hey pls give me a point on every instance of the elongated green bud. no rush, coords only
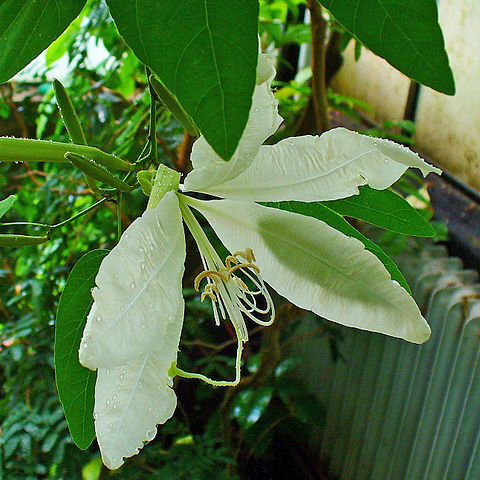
(25, 149)
(174, 106)
(69, 115)
(166, 180)
(89, 167)
(12, 240)
(145, 179)
(72, 123)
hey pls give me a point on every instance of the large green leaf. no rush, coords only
(205, 53)
(406, 33)
(6, 205)
(385, 209)
(27, 27)
(319, 211)
(76, 384)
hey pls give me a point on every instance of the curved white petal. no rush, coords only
(265, 69)
(328, 167)
(264, 120)
(130, 400)
(318, 268)
(139, 289)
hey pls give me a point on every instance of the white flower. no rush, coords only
(133, 329)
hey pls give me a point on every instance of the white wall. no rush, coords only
(448, 128)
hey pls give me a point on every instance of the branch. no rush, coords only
(319, 90)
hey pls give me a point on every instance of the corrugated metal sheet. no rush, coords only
(397, 411)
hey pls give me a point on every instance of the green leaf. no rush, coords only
(250, 405)
(6, 205)
(385, 209)
(406, 33)
(204, 52)
(27, 27)
(319, 211)
(76, 384)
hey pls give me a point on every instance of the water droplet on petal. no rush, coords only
(110, 425)
(98, 318)
(133, 285)
(150, 435)
(108, 402)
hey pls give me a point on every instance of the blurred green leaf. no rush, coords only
(6, 204)
(385, 209)
(406, 33)
(308, 409)
(250, 405)
(75, 383)
(27, 27)
(205, 53)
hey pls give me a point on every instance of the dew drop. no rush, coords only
(116, 276)
(95, 414)
(98, 318)
(143, 266)
(110, 425)
(115, 406)
(122, 376)
(133, 285)
(114, 396)
(150, 435)
(108, 402)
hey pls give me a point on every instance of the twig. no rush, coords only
(221, 346)
(21, 123)
(319, 91)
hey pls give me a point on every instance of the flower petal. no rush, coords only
(328, 167)
(318, 268)
(139, 290)
(131, 400)
(209, 169)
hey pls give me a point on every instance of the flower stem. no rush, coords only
(175, 371)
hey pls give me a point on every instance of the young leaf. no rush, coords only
(385, 209)
(76, 384)
(406, 33)
(27, 27)
(321, 212)
(6, 205)
(204, 52)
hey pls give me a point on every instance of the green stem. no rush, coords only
(119, 217)
(74, 217)
(152, 134)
